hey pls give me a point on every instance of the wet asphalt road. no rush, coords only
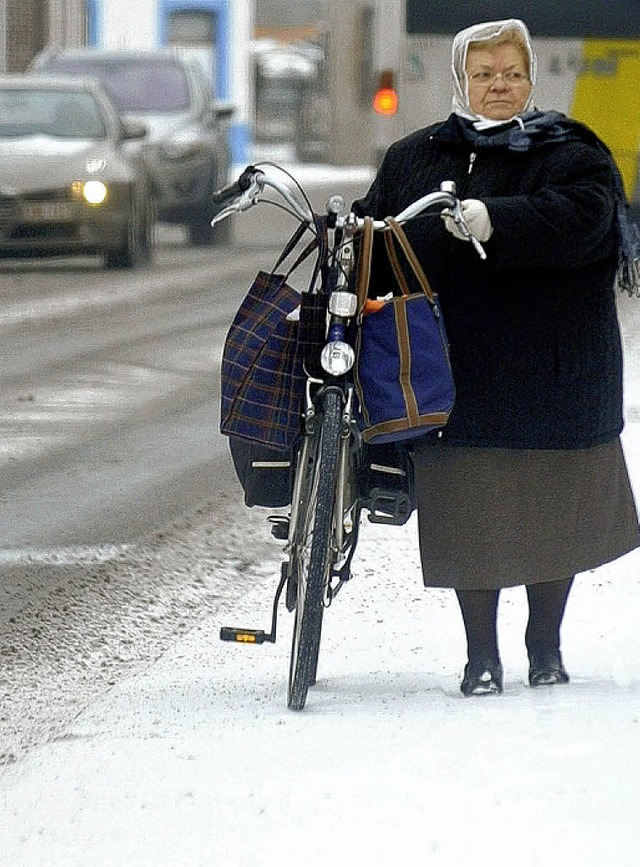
(109, 385)
(108, 400)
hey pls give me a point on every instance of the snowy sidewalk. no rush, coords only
(198, 762)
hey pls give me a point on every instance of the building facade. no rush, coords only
(216, 32)
(28, 26)
(337, 125)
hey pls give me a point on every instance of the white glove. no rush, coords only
(476, 216)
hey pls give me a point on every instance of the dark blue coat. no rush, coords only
(533, 330)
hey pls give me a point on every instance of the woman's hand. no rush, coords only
(476, 216)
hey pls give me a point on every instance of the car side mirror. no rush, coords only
(133, 129)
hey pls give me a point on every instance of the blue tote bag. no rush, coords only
(403, 374)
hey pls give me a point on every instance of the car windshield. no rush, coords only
(63, 114)
(135, 83)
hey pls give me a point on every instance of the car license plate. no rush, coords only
(46, 212)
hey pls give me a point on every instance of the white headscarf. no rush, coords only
(478, 33)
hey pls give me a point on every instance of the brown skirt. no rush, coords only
(491, 518)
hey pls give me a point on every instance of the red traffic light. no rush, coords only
(385, 100)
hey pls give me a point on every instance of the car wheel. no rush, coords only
(201, 233)
(137, 249)
(148, 233)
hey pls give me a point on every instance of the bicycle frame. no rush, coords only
(327, 500)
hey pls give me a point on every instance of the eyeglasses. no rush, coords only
(511, 78)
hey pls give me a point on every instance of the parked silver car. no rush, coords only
(68, 185)
(187, 151)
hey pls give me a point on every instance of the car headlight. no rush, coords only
(337, 357)
(93, 192)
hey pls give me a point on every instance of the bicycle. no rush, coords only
(328, 497)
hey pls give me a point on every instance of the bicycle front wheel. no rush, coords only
(312, 549)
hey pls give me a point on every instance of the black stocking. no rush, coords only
(546, 609)
(479, 612)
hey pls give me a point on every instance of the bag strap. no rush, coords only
(394, 235)
(290, 246)
(319, 241)
(322, 259)
(411, 257)
(392, 255)
(364, 263)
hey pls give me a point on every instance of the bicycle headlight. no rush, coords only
(343, 304)
(337, 357)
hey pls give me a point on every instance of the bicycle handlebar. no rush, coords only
(245, 192)
(226, 195)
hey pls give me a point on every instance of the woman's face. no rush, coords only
(499, 85)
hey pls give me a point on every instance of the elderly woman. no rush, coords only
(527, 484)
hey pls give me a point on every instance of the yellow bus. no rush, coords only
(588, 65)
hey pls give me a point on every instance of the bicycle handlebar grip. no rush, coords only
(234, 190)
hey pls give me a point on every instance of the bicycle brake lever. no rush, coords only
(477, 246)
(246, 201)
(459, 220)
(222, 215)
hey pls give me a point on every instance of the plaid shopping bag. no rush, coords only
(263, 372)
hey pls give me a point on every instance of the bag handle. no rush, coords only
(392, 255)
(394, 235)
(322, 259)
(291, 245)
(364, 269)
(397, 234)
(319, 241)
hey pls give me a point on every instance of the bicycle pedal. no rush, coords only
(388, 507)
(279, 527)
(245, 636)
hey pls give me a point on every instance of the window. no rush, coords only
(47, 112)
(191, 27)
(135, 83)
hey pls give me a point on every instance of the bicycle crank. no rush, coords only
(255, 636)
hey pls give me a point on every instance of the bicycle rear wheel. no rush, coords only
(311, 549)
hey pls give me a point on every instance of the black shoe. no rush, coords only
(482, 678)
(546, 669)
